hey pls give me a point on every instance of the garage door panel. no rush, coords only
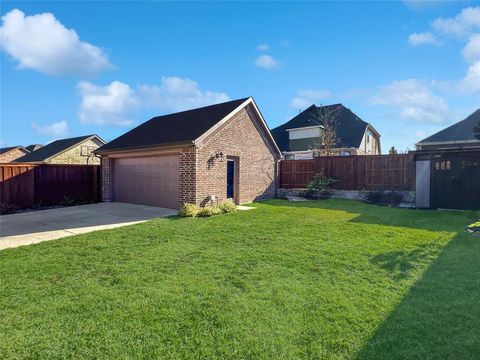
(152, 180)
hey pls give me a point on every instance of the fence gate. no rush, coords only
(455, 181)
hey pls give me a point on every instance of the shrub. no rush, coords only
(319, 186)
(385, 198)
(227, 206)
(209, 211)
(188, 210)
(282, 194)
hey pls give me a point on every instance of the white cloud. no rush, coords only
(414, 101)
(461, 25)
(267, 62)
(471, 82)
(423, 38)
(42, 43)
(117, 103)
(471, 52)
(465, 27)
(56, 129)
(175, 94)
(263, 47)
(305, 98)
(113, 104)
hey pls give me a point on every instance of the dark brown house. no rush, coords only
(198, 156)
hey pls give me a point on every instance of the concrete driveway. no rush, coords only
(37, 226)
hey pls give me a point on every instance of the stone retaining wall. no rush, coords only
(408, 196)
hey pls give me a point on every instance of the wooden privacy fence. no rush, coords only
(26, 185)
(371, 172)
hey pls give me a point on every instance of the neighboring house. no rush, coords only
(300, 138)
(9, 154)
(77, 150)
(448, 166)
(464, 134)
(33, 147)
(198, 156)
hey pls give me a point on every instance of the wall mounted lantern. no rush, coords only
(217, 155)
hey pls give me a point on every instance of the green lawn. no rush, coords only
(313, 280)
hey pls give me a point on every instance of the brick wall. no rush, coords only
(243, 140)
(188, 175)
(11, 155)
(74, 156)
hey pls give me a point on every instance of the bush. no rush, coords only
(192, 210)
(189, 210)
(385, 198)
(319, 186)
(209, 211)
(282, 194)
(228, 206)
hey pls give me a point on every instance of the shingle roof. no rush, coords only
(350, 128)
(33, 147)
(461, 131)
(51, 149)
(6, 149)
(178, 128)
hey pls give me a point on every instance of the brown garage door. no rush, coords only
(152, 180)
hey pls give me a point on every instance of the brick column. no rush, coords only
(188, 169)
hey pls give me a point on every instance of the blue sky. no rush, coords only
(409, 68)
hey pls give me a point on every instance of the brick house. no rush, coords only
(73, 151)
(198, 156)
(9, 154)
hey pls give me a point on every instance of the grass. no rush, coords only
(313, 280)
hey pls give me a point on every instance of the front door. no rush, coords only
(230, 179)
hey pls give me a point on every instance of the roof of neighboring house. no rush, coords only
(174, 129)
(466, 130)
(7, 149)
(350, 128)
(33, 147)
(54, 148)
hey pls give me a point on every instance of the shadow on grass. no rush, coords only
(401, 263)
(439, 317)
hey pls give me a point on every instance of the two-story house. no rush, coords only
(301, 137)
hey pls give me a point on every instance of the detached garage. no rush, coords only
(198, 156)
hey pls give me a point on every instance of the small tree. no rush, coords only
(393, 151)
(328, 138)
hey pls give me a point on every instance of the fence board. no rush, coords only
(372, 172)
(25, 185)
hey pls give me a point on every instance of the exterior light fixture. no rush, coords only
(218, 155)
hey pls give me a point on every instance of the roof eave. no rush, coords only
(150, 147)
(449, 142)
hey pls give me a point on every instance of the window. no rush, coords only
(442, 165)
(469, 164)
(86, 150)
